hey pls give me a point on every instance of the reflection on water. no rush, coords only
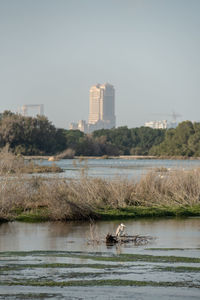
(73, 236)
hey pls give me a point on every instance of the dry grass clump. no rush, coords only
(15, 164)
(174, 188)
(10, 163)
(65, 200)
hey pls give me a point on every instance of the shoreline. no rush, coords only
(125, 157)
(109, 214)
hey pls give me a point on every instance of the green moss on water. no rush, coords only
(172, 249)
(104, 257)
(31, 296)
(146, 258)
(109, 282)
(179, 269)
(14, 267)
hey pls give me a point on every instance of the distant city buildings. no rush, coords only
(160, 124)
(101, 111)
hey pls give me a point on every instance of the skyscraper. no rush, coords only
(102, 106)
(102, 109)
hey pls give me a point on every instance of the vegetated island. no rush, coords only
(160, 193)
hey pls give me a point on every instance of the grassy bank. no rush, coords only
(42, 215)
(149, 212)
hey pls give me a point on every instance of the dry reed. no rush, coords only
(80, 198)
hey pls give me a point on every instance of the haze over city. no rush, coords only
(53, 51)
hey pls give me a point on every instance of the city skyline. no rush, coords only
(52, 52)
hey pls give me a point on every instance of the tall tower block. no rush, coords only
(102, 105)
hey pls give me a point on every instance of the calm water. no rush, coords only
(130, 168)
(73, 236)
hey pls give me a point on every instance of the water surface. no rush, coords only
(64, 253)
(130, 168)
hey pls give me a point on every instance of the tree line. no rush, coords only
(38, 136)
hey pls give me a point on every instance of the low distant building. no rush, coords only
(157, 124)
(163, 124)
(73, 126)
(81, 125)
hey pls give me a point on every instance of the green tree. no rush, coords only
(29, 135)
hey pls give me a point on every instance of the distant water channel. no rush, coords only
(108, 168)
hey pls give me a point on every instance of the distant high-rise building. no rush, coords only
(102, 109)
(102, 106)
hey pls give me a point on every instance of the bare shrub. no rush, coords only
(10, 163)
(174, 188)
(63, 200)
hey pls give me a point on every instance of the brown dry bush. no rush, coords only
(174, 188)
(65, 201)
(10, 163)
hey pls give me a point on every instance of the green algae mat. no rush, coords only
(65, 269)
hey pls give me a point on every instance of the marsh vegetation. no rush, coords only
(158, 193)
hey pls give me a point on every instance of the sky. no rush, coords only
(53, 51)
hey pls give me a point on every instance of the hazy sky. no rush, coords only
(52, 51)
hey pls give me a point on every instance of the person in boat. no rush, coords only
(120, 230)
